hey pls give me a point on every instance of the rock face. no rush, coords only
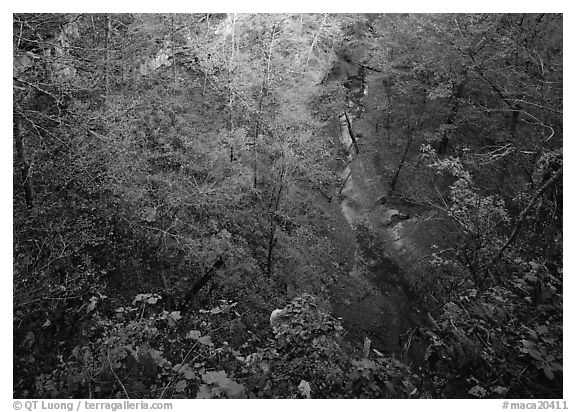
(375, 301)
(391, 216)
(277, 316)
(345, 138)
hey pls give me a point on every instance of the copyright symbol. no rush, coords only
(17, 405)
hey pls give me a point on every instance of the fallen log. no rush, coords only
(352, 135)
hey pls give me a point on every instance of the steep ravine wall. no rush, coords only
(375, 301)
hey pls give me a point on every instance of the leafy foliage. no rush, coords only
(175, 180)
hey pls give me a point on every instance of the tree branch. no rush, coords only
(314, 42)
(557, 175)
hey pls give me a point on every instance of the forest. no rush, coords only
(287, 206)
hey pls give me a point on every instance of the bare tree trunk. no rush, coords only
(230, 102)
(263, 93)
(107, 61)
(159, 245)
(173, 48)
(366, 348)
(352, 135)
(314, 42)
(555, 177)
(273, 224)
(163, 277)
(388, 87)
(209, 274)
(123, 64)
(271, 243)
(205, 82)
(345, 181)
(24, 165)
(394, 179)
(443, 145)
(391, 54)
(230, 90)
(514, 107)
(233, 33)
